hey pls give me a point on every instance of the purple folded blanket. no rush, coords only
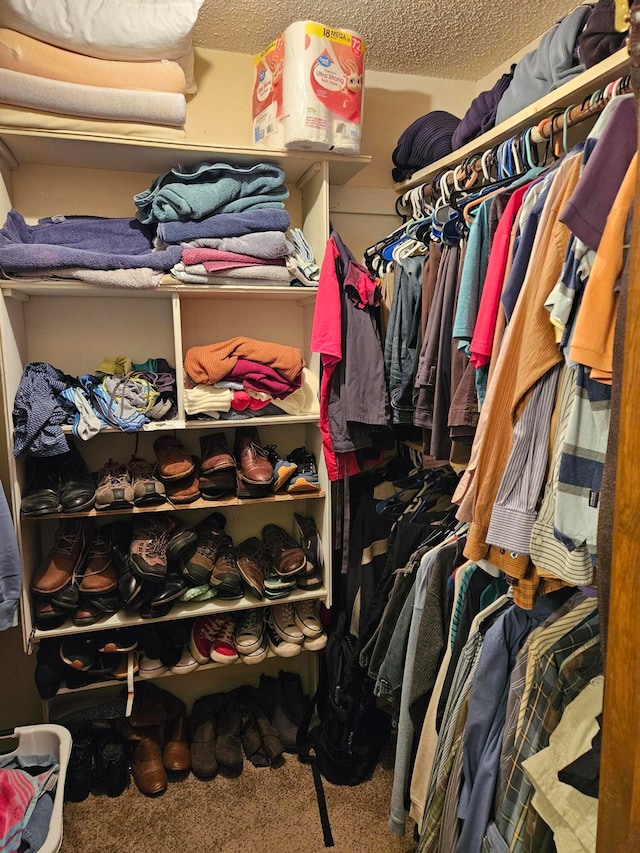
(92, 242)
(225, 225)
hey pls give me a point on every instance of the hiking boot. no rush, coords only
(283, 470)
(64, 562)
(174, 463)
(225, 576)
(215, 456)
(223, 649)
(252, 457)
(42, 486)
(306, 477)
(285, 624)
(197, 563)
(114, 489)
(277, 645)
(203, 632)
(148, 489)
(148, 549)
(181, 539)
(249, 631)
(253, 564)
(77, 488)
(288, 558)
(307, 617)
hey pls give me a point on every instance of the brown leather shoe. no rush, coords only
(147, 768)
(100, 574)
(66, 557)
(176, 755)
(252, 458)
(186, 490)
(214, 454)
(288, 558)
(174, 463)
(253, 564)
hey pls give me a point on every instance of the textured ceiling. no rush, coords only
(459, 40)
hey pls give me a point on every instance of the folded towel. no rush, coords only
(215, 260)
(27, 90)
(206, 364)
(198, 274)
(225, 225)
(15, 116)
(211, 188)
(262, 244)
(31, 56)
(140, 278)
(80, 241)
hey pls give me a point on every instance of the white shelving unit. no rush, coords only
(73, 327)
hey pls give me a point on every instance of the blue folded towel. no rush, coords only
(92, 242)
(225, 225)
(211, 188)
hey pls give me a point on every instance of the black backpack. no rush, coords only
(350, 731)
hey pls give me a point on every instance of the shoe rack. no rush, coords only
(74, 326)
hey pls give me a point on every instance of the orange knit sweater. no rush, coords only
(211, 362)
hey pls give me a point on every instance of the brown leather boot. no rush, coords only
(147, 768)
(176, 756)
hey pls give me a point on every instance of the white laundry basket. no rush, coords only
(47, 740)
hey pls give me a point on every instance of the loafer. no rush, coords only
(174, 463)
(252, 457)
(77, 486)
(42, 486)
(65, 559)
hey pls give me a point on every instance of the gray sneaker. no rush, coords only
(114, 489)
(148, 489)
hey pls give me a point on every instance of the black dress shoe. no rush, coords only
(77, 487)
(111, 769)
(42, 486)
(171, 590)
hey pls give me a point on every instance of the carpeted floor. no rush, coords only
(262, 811)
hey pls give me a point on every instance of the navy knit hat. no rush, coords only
(426, 140)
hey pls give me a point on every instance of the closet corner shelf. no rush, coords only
(572, 92)
(130, 154)
(179, 611)
(164, 426)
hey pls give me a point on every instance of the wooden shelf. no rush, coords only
(570, 93)
(180, 610)
(117, 153)
(22, 289)
(222, 423)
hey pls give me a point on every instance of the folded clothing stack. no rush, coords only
(99, 60)
(243, 377)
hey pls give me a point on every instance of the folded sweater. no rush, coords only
(211, 362)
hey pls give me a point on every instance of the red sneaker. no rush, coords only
(223, 648)
(203, 632)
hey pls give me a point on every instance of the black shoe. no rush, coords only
(77, 786)
(42, 486)
(77, 487)
(170, 591)
(111, 770)
(180, 539)
(49, 668)
(309, 540)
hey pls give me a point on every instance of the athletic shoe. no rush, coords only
(309, 539)
(148, 489)
(283, 469)
(249, 631)
(203, 632)
(114, 489)
(315, 644)
(278, 646)
(306, 477)
(151, 667)
(148, 549)
(198, 562)
(223, 648)
(284, 621)
(186, 664)
(260, 653)
(307, 617)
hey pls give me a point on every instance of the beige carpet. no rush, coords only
(262, 811)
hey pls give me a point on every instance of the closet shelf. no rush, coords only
(179, 611)
(157, 426)
(23, 289)
(169, 507)
(572, 92)
(116, 153)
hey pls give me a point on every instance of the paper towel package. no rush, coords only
(268, 69)
(307, 90)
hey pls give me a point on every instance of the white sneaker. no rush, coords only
(315, 644)
(278, 646)
(151, 668)
(259, 654)
(249, 631)
(307, 616)
(187, 663)
(285, 623)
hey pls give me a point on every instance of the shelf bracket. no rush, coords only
(309, 175)
(16, 294)
(6, 156)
